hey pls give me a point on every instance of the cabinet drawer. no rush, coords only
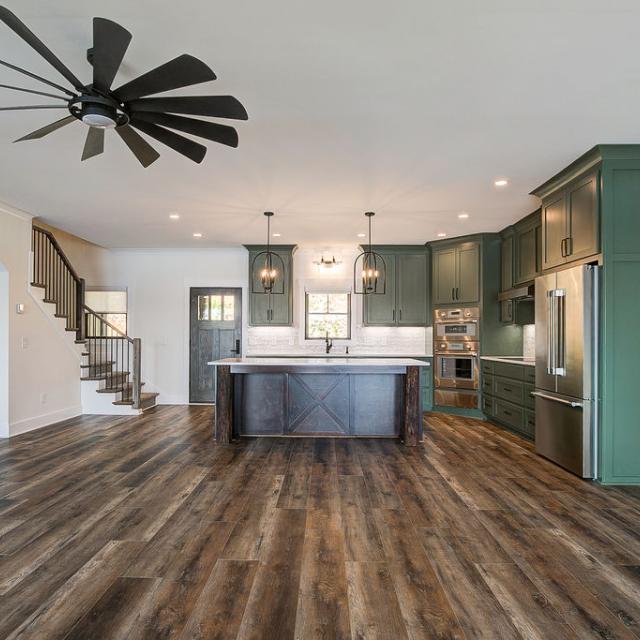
(487, 384)
(529, 400)
(488, 406)
(530, 423)
(487, 366)
(510, 414)
(508, 370)
(529, 374)
(511, 390)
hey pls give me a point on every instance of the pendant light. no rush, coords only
(369, 269)
(267, 267)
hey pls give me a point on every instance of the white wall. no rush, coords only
(43, 373)
(158, 283)
(4, 352)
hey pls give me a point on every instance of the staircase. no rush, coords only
(110, 360)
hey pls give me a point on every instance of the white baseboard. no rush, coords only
(44, 420)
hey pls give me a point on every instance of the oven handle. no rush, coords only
(457, 354)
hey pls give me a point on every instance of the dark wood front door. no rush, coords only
(215, 333)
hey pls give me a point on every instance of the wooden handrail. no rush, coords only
(60, 252)
(102, 319)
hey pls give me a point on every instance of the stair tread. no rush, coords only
(120, 389)
(104, 363)
(143, 396)
(104, 376)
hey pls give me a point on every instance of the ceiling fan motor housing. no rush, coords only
(99, 115)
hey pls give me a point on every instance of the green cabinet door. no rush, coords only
(380, 310)
(506, 263)
(281, 308)
(527, 254)
(467, 289)
(582, 218)
(271, 309)
(554, 231)
(444, 275)
(411, 301)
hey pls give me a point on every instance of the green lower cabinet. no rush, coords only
(506, 396)
(426, 386)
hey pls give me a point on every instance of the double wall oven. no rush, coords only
(457, 357)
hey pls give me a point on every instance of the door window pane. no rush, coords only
(229, 308)
(216, 308)
(328, 314)
(203, 307)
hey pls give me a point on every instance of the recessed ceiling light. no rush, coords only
(463, 215)
(174, 216)
(276, 235)
(362, 235)
(501, 183)
(442, 235)
(197, 235)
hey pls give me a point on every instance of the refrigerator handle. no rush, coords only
(560, 363)
(550, 332)
(570, 403)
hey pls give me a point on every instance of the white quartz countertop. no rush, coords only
(528, 362)
(321, 362)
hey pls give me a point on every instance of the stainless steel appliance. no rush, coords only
(456, 357)
(566, 394)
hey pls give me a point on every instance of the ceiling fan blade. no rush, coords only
(17, 26)
(210, 130)
(35, 77)
(110, 43)
(43, 131)
(140, 148)
(94, 144)
(182, 71)
(213, 106)
(34, 106)
(186, 147)
(37, 93)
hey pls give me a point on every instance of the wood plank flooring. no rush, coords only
(142, 528)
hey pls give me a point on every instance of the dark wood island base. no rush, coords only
(311, 398)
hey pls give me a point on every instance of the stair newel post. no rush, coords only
(137, 353)
(82, 330)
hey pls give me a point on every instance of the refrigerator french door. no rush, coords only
(566, 393)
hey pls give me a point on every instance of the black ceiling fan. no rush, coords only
(128, 107)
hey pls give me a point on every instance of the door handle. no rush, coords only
(237, 349)
(569, 403)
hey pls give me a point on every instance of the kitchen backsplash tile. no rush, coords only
(402, 340)
(529, 340)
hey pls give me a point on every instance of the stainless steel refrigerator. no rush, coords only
(566, 394)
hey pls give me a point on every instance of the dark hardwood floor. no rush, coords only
(142, 528)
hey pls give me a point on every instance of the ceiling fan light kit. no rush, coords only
(129, 107)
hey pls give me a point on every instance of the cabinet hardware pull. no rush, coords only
(453, 293)
(507, 389)
(506, 413)
(400, 314)
(570, 246)
(457, 293)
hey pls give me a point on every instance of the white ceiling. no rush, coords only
(410, 108)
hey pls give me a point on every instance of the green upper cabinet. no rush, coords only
(404, 302)
(444, 276)
(412, 289)
(380, 309)
(456, 274)
(271, 309)
(506, 259)
(528, 248)
(571, 222)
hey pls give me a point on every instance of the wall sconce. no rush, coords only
(327, 265)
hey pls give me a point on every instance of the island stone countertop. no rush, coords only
(319, 364)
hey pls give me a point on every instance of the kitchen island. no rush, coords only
(348, 397)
